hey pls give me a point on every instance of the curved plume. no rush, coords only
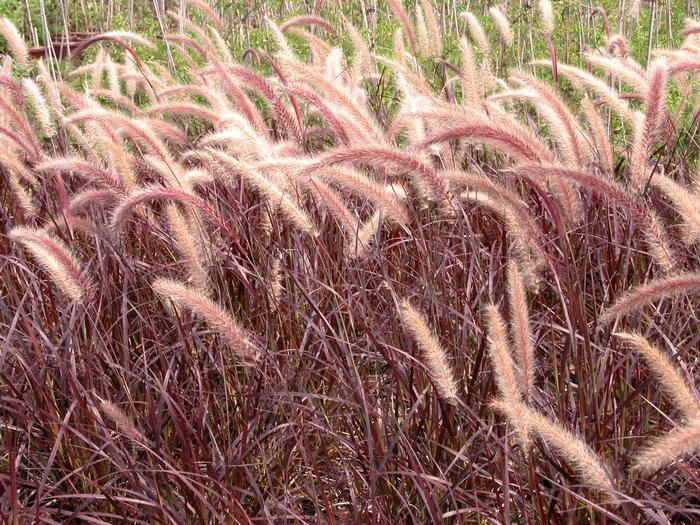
(116, 38)
(307, 20)
(573, 449)
(84, 168)
(657, 238)
(600, 136)
(506, 377)
(668, 376)
(57, 260)
(641, 296)
(622, 69)
(684, 201)
(506, 139)
(385, 157)
(683, 441)
(563, 126)
(582, 79)
(41, 108)
(155, 192)
(365, 187)
(432, 26)
(298, 217)
(213, 314)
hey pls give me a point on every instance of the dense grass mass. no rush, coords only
(452, 279)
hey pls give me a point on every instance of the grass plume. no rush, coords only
(434, 354)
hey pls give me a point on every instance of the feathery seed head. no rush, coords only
(436, 358)
(58, 261)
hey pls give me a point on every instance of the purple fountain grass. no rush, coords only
(188, 109)
(582, 458)
(307, 20)
(294, 201)
(278, 197)
(117, 99)
(186, 234)
(584, 80)
(187, 43)
(84, 168)
(209, 11)
(115, 38)
(14, 41)
(563, 126)
(505, 32)
(212, 313)
(166, 130)
(14, 164)
(621, 69)
(513, 142)
(136, 129)
(472, 86)
(363, 62)
(600, 136)
(363, 186)
(641, 296)
(645, 134)
(214, 97)
(320, 50)
(528, 262)
(347, 220)
(407, 28)
(25, 137)
(436, 357)
(683, 441)
(690, 27)
(202, 36)
(328, 114)
(263, 86)
(58, 261)
(546, 14)
(657, 238)
(432, 26)
(22, 195)
(245, 105)
(425, 46)
(40, 107)
(476, 31)
(156, 192)
(685, 203)
(85, 198)
(123, 422)
(505, 374)
(384, 157)
(336, 95)
(534, 237)
(667, 374)
(521, 330)
(15, 89)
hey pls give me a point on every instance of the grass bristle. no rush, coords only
(280, 263)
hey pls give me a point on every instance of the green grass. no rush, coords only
(572, 23)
